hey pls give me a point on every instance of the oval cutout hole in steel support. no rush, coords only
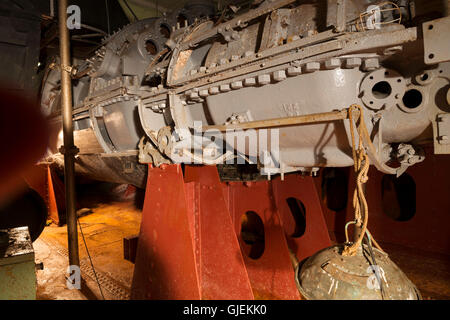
(298, 212)
(252, 234)
(398, 197)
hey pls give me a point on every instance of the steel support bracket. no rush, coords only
(191, 245)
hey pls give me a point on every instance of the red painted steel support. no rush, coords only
(44, 181)
(222, 270)
(271, 274)
(316, 236)
(190, 244)
(187, 247)
(165, 262)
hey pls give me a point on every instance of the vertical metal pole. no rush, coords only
(52, 8)
(107, 16)
(69, 148)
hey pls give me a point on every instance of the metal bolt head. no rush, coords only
(294, 71)
(312, 66)
(249, 82)
(214, 90)
(370, 64)
(203, 93)
(332, 63)
(225, 87)
(353, 62)
(279, 75)
(236, 85)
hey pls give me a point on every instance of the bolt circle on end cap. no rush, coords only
(382, 88)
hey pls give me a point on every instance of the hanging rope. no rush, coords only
(361, 165)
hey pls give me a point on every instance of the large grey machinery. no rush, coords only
(153, 86)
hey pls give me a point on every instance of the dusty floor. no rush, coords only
(104, 227)
(113, 216)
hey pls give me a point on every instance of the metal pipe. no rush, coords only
(69, 150)
(52, 8)
(107, 16)
(91, 35)
(281, 122)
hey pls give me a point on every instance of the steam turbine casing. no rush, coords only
(266, 63)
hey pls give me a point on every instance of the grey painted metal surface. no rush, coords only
(17, 267)
(280, 59)
(437, 40)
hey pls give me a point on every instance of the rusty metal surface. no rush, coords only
(17, 248)
(241, 20)
(17, 268)
(330, 276)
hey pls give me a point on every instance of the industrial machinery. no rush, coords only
(268, 86)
